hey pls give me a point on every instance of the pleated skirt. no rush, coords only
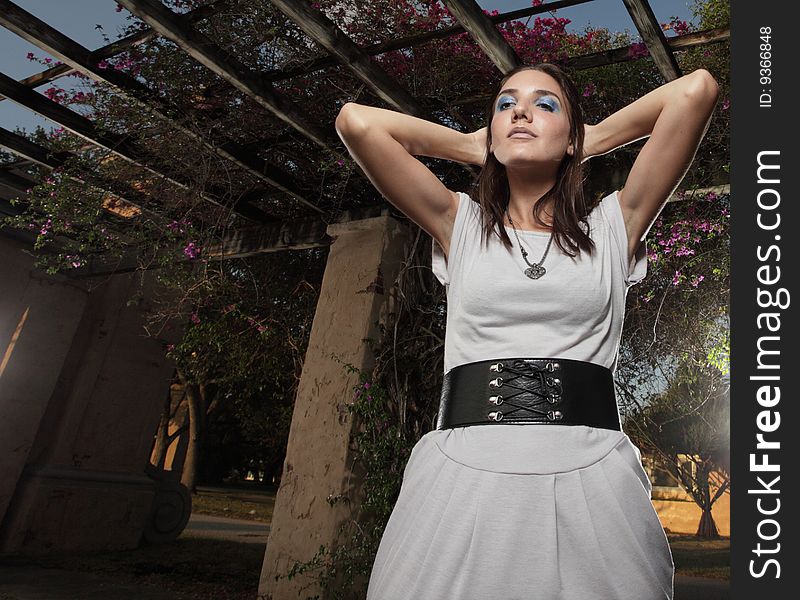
(523, 512)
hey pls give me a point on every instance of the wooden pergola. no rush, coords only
(266, 231)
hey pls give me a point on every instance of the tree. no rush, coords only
(690, 420)
(242, 352)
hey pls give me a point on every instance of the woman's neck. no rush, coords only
(525, 193)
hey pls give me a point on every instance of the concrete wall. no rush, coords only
(680, 514)
(39, 317)
(362, 265)
(81, 390)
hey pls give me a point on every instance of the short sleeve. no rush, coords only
(637, 269)
(443, 268)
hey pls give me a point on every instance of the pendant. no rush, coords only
(535, 271)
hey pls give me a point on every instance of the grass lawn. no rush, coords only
(191, 568)
(202, 569)
(700, 557)
(230, 506)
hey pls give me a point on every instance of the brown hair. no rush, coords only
(570, 206)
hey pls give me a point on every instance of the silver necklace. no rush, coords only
(535, 270)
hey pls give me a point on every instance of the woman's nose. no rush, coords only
(521, 110)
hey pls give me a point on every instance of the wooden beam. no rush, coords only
(483, 31)
(119, 145)
(40, 155)
(624, 54)
(21, 164)
(326, 33)
(206, 52)
(65, 117)
(16, 182)
(119, 46)
(39, 33)
(653, 37)
(297, 234)
(6, 208)
(418, 39)
(28, 150)
(699, 38)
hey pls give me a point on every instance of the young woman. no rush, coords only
(528, 488)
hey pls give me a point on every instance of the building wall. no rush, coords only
(680, 514)
(81, 390)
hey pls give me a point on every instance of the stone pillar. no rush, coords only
(362, 265)
(80, 397)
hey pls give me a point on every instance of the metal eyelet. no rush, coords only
(553, 398)
(496, 399)
(497, 382)
(550, 367)
(495, 415)
(497, 367)
(555, 415)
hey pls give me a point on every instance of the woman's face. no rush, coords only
(530, 123)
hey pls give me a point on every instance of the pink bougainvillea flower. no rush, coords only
(638, 50)
(191, 250)
(195, 319)
(696, 280)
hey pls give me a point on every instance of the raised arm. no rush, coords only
(675, 116)
(384, 143)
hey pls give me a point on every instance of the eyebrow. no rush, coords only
(538, 92)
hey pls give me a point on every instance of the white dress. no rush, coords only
(527, 512)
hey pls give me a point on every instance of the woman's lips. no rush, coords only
(521, 132)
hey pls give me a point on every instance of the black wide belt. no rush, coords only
(547, 391)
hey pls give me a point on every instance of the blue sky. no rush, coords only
(78, 19)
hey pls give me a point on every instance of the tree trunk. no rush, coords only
(274, 470)
(707, 527)
(191, 463)
(159, 454)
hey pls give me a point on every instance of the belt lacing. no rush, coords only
(542, 384)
